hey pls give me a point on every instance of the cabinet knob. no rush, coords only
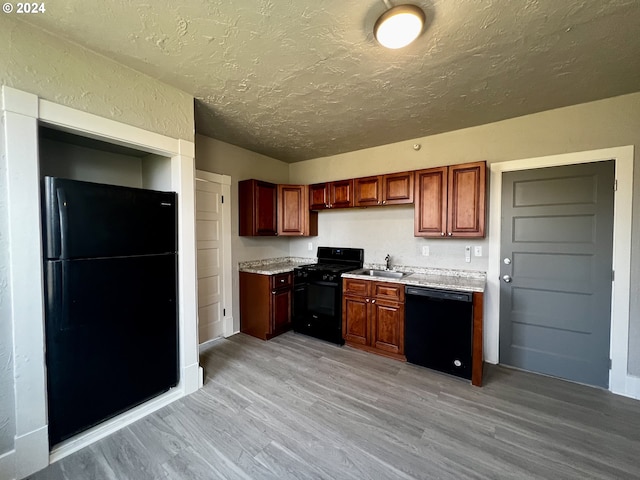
(366, 300)
(379, 203)
(442, 234)
(282, 280)
(384, 202)
(450, 234)
(373, 301)
(273, 292)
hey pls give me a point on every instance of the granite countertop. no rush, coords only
(273, 266)
(457, 280)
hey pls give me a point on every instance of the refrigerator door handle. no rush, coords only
(64, 220)
(56, 300)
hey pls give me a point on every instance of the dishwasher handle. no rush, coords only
(439, 294)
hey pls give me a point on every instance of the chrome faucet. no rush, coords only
(388, 260)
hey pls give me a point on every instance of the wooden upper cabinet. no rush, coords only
(466, 200)
(257, 202)
(397, 188)
(450, 201)
(341, 194)
(368, 191)
(319, 196)
(391, 189)
(337, 194)
(294, 217)
(431, 203)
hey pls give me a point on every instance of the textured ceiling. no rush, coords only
(300, 79)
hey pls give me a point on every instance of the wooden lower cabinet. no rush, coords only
(265, 304)
(387, 320)
(373, 316)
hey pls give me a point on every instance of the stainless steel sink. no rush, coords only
(380, 273)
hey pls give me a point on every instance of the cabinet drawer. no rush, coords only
(353, 286)
(388, 291)
(281, 280)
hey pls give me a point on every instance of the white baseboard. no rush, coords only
(31, 452)
(227, 327)
(110, 426)
(191, 378)
(8, 465)
(632, 387)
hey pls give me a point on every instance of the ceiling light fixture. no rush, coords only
(399, 26)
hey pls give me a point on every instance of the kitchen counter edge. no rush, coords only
(274, 266)
(430, 280)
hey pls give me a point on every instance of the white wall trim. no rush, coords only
(8, 465)
(93, 126)
(21, 142)
(17, 101)
(113, 425)
(619, 381)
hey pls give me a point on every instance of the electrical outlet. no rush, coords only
(310, 246)
(467, 253)
(477, 250)
(425, 250)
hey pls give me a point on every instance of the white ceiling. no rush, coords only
(300, 79)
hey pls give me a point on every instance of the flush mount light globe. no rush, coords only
(399, 26)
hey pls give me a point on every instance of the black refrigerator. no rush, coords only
(110, 268)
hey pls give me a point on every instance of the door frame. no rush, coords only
(227, 299)
(619, 380)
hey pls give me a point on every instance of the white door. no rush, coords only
(210, 237)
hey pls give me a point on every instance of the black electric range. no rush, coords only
(317, 292)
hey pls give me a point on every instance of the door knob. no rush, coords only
(506, 278)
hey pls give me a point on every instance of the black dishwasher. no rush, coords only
(438, 329)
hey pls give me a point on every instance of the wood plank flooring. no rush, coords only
(300, 408)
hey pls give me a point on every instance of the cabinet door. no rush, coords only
(397, 188)
(341, 194)
(294, 217)
(280, 310)
(257, 208)
(431, 202)
(466, 200)
(319, 196)
(368, 191)
(355, 327)
(387, 325)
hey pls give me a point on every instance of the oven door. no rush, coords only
(318, 310)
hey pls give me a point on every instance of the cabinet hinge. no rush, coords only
(222, 198)
(224, 312)
(610, 364)
(615, 185)
(613, 275)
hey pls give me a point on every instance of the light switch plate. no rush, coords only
(467, 253)
(425, 250)
(310, 246)
(477, 250)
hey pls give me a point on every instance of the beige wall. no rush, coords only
(65, 73)
(606, 123)
(225, 159)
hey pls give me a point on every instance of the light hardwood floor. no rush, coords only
(299, 408)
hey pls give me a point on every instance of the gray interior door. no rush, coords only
(557, 248)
